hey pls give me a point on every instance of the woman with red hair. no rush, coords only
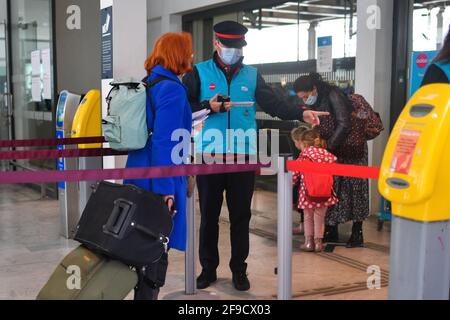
(168, 110)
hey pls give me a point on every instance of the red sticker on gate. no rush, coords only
(404, 151)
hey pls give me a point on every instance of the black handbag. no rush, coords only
(126, 223)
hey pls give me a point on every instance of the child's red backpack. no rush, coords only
(319, 187)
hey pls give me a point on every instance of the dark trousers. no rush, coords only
(151, 280)
(239, 188)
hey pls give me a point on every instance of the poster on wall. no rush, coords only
(47, 73)
(107, 42)
(325, 54)
(36, 63)
(36, 89)
(420, 62)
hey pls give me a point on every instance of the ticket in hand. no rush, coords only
(243, 104)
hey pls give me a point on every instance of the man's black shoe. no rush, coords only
(240, 281)
(206, 279)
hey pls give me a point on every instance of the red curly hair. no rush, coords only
(173, 51)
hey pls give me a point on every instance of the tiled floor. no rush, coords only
(30, 249)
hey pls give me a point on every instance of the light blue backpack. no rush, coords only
(125, 126)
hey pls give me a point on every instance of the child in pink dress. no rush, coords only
(313, 149)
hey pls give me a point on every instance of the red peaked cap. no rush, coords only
(231, 34)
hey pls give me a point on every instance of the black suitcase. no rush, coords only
(126, 223)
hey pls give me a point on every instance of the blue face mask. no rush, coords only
(311, 100)
(230, 56)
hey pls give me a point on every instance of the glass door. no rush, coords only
(4, 88)
(5, 96)
(431, 20)
(31, 46)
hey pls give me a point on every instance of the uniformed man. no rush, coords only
(226, 75)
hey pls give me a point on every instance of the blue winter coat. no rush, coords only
(173, 111)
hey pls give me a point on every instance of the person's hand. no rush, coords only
(313, 117)
(197, 129)
(217, 106)
(170, 202)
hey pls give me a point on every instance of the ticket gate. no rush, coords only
(67, 192)
(415, 177)
(88, 123)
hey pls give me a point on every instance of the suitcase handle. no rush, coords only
(120, 216)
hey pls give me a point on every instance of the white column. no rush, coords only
(312, 41)
(129, 50)
(440, 28)
(374, 69)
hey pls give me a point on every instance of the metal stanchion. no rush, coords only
(190, 272)
(284, 230)
(190, 250)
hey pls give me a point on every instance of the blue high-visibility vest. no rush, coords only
(241, 119)
(444, 67)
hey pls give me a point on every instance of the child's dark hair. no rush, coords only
(312, 138)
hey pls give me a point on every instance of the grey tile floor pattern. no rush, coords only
(31, 248)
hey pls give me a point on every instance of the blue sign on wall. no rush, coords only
(325, 41)
(420, 61)
(107, 42)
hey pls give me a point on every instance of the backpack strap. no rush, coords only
(149, 85)
(115, 86)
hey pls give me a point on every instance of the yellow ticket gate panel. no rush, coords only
(415, 174)
(88, 123)
(415, 177)
(88, 120)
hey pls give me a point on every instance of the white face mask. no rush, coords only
(311, 100)
(230, 56)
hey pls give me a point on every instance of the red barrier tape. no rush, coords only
(56, 154)
(122, 174)
(49, 142)
(341, 170)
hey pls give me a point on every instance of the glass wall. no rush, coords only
(3, 82)
(4, 90)
(431, 24)
(32, 74)
(286, 32)
(289, 28)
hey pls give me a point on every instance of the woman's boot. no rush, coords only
(356, 239)
(331, 234)
(309, 245)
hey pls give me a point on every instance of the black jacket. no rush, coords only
(336, 128)
(266, 98)
(434, 74)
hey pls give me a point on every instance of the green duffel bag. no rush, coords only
(84, 275)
